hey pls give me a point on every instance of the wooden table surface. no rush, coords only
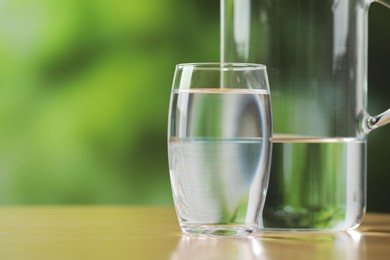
(126, 232)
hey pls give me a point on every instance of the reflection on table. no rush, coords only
(370, 241)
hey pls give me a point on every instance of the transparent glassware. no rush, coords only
(219, 146)
(316, 54)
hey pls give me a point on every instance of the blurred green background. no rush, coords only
(84, 93)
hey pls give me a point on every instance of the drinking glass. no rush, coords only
(219, 146)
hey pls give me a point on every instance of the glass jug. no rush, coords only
(316, 54)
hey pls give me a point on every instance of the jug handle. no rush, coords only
(373, 122)
(378, 120)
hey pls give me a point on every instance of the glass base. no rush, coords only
(218, 230)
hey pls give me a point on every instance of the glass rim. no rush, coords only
(234, 66)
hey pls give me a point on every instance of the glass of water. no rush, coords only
(219, 146)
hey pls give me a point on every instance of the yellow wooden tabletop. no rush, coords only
(110, 232)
